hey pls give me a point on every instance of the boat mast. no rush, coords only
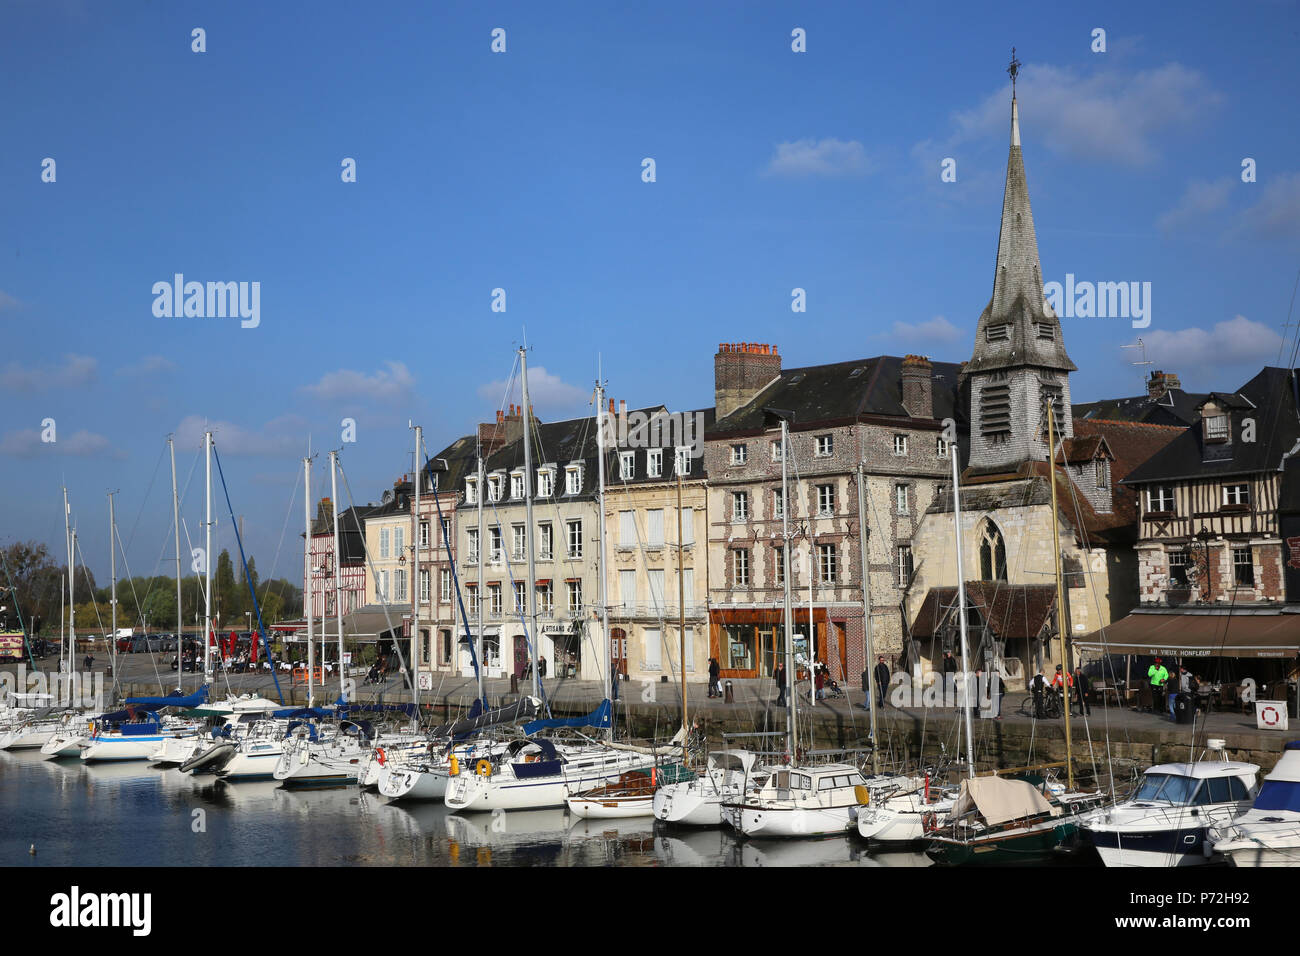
(112, 570)
(534, 645)
(65, 645)
(338, 567)
(416, 642)
(1060, 601)
(791, 732)
(207, 561)
(812, 628)
(310, 573)
(961, 611)
(478, 593)
(863, 535)
(176, 522)
(681, 613)
(600, 508)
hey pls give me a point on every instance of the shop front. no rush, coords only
(750, 643)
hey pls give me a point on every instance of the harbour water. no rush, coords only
(131, 814)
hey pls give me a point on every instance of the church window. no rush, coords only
(993, 553)
(995, 409)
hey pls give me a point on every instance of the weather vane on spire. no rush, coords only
(1014, 70)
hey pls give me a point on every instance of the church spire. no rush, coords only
(1018, 328)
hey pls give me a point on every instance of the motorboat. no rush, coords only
(1168, 818)
(810, 801)
(1267, 834)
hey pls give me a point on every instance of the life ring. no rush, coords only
(483, 768)
(454, 766)
(1270, 715)
(379, 755)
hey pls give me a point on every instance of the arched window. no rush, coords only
(993, 553)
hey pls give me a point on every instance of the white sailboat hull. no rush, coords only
(253, 761)
(413, 783)
(474, 793)
(611, 808)
(790, 821)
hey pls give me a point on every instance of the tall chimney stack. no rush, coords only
(740, 371)
(918, 388)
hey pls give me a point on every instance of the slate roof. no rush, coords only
(461, 460)
(351, 539)
(640, 470)
(840, 393)
(1175, 407)
(1269, 399)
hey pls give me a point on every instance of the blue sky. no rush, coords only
(522, 170)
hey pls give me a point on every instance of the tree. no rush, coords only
(225, 595)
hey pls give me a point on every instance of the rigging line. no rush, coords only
(139, 610)
(261, 627)
(145, 500)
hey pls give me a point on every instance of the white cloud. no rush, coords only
(548, 393)
(936, 331)
(1109, 115)
(1238, 341)
(285, 435)
(149, 365)
(1277, 214)
(76, 370)
(1199, 200)
(81, 444)
(393, 384)
(825, 157)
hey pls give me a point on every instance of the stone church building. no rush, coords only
(1018, 369)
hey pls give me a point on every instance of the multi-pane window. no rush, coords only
(471, 591)
(496, 549)
(778, 504)
(1178, 569)
(1243, 570)
(780, 566)
(575, 597)
(827, 563)
(900, 499)
(683, 463)
(739, 505)
(424, 585)
(471, 491)
(385, 547)
(399, 541)
(573, 479)
(494, 595)
(444, 586)
(1216, 428)
(521, 597)
(574, 534)
(626, 464)
(654, 463)
(941, 447)
(545, 482)
(424, 534)
(825, 446)
(740, 567)
(825, 499)
(517, 549)
(900, 445)
(495, 484)
(1238, 494)
(777, 453)
(1160, 498)
(904, 564)
(516, 485)
(1103, 473)
(471, 538)
(739, 454)
(545, 541)
(401, 585)
(545, 599)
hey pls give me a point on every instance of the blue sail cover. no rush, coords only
(407, 709)
(174, 699)
(600, 717)
(307, 712)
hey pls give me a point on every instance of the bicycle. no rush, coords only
(1052, 706)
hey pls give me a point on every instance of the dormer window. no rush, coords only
(1103, 473)
(777, 453)
(545, 482)
(998, 333)
(573, 480)
(1216, 428)
(517, 484)
(825, 446)
(682, 464)
(626, 464)
(471, 491)
(495, 484)
(739, 454)
(654, 462)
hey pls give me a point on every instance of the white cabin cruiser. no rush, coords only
(1167, 820)
(799, 802)
(1268, 834)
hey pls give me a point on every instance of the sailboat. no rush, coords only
(998, 820)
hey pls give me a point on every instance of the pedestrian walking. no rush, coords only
(714, 671)
(882, 680)
(541, 668)
(1082, 690)
(780, 684)
(1158, 677)
(866, 688)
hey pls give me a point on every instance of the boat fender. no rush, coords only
(379, 755)
(454, 766)
(483, 768)
(928, 822)
(863, 795)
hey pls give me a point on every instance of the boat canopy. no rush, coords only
(1000, 801)
(600, 717)
(477, 719)
(174, 699)
(546, 748)
(305, 712)
(359, 708)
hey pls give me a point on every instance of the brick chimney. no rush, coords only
(508, 428)
(1161, 383)
(740, 371)
(918, 390)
